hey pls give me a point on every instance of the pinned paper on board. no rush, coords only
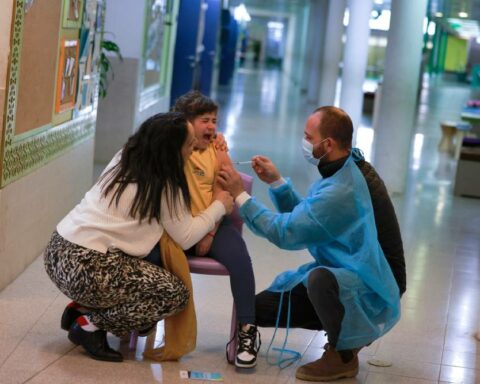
(72, 13)
(67, 75)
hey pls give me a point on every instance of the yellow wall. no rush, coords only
(456, 56)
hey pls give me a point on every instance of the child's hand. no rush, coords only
(204, 245)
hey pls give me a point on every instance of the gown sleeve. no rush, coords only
(285, 198)
(293, 230)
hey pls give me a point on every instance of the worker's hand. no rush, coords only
(204, 245)
(220, 143)
(230, 180)
(265, 169)
(226, 199)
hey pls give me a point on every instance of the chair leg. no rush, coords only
(458, 143)
(150, 342)
(133, 340)
(232, 347)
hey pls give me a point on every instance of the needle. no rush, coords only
(242, 162)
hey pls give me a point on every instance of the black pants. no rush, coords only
(316, 307)
(229, 249)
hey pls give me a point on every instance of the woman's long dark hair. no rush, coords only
(152, 159)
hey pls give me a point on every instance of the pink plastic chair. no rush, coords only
(209, 266)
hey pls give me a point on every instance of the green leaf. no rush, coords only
(104, 64)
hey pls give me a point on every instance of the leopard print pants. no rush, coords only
(124, 292)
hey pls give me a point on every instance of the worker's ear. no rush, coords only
(330, 143)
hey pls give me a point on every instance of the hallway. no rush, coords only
(263, 113)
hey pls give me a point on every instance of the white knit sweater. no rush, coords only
(98, 225)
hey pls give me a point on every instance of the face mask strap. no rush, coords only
(325, 154)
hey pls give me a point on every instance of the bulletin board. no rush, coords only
(39, 122)
(38, 59)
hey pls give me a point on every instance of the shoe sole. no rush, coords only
(343, 375)
(119, 360)
(73, 339)
(246, 365)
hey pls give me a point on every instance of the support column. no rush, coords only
(301, 43)
(355, 60)
(394, 127)
(332, 52)
(319, 11)
(307, 61)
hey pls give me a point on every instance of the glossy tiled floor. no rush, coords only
(262, 113)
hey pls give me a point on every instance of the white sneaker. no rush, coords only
(248, 346)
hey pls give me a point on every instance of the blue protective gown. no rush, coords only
(336, 224)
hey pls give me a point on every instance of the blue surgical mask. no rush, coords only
(307, 150)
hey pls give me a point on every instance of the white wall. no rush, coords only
(124, 24)
(124, 109)
(31, 207)
(295, 45)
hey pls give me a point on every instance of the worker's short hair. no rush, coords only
(335, 123)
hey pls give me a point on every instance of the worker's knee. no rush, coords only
(321, 282)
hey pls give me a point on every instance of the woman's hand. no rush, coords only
(230, 180)
(204, 245)
(220, 142)
(226, 199)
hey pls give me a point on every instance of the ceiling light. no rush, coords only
(240, 13)
(462, 14)
(275, 25)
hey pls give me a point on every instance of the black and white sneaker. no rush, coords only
(248, 346)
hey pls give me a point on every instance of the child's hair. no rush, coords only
(194, 104)
(152, 159)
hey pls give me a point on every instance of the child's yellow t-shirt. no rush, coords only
(201, 170)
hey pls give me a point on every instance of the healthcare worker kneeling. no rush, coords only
(349, 289)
